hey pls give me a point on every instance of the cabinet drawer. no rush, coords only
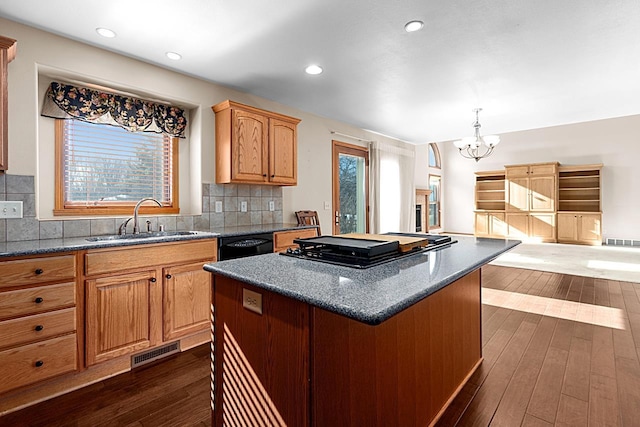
(544, 169)
(284, 239)
(37, 270)
(116, 261)
(36, 300)
(37, 327)
(513, 171)
(34, 362)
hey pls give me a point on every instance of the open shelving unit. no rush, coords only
(490, 191)
(579, 189)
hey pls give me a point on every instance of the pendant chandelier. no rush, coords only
(477, 147)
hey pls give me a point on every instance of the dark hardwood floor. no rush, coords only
(559, 350)
(174, 392)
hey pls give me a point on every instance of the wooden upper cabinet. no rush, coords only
(532, 187)
(255, 146)
(249, 149)
(542, 193)
(7, 54)
(283, 156)
(518, 194)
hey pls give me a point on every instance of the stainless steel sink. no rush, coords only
(154, 234)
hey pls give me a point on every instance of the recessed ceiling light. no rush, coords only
(174, 56)
(313, 69)
(105, 32)
(412, 26)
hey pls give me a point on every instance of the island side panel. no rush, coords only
(403, 372)
(261, 372)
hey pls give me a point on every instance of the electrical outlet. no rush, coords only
(243, 206)
(10, 209)
(272, 205)
(218, 206)
(326, 206)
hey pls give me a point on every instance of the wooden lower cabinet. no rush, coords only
(186, 300)
(580, 227)
(298, 365)
(535, 226)
(38, 320)
(490, 224)
(283, 240)
(41, 360)
(169, 299)
(123, 315)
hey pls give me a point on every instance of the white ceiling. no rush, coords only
(528, 64)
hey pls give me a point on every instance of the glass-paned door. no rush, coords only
(350, 188)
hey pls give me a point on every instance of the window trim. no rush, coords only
(113, 208)
(436, 154)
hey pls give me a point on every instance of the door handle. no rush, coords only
(337, 217)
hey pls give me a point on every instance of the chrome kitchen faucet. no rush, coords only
(136, 224)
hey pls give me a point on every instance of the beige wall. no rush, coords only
(612, 142)
(42, 56)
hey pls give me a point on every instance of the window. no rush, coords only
(434, 156)
(434, 201)
(102, 169)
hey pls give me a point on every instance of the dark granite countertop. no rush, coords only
(368, 295)
(47, 246)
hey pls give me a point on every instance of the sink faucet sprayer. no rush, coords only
(136, 224)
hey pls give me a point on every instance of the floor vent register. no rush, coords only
(155, 354)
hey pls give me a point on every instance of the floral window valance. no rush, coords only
(64, 101)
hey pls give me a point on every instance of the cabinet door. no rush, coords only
(567, 227)
(542, 227)
(497, 225)
(282, 152)
(123, 315)
(543, 193)
(517, 225)
(518, 194)
(589, 230)
(249, 147)
(186, 300)
(482, 224)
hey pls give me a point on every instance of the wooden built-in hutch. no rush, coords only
(545, 202)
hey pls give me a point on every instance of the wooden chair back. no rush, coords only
(308, 218)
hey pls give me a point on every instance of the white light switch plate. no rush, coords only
(326, 206)
(10, 209)
(218, 207)
(272, 205)
(243, 206)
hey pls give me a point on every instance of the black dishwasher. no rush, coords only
(231, 247)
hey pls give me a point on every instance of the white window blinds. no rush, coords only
(107, 165)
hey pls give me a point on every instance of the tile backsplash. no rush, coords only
(231, 197)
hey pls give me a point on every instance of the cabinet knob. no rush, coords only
(152, 280)
(264, 175)
(39, 363)
(39, 271)
(38, 300)
(168, 276)
(39, 328)
(273, 176)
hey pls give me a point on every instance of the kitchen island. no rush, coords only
(299, 342)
